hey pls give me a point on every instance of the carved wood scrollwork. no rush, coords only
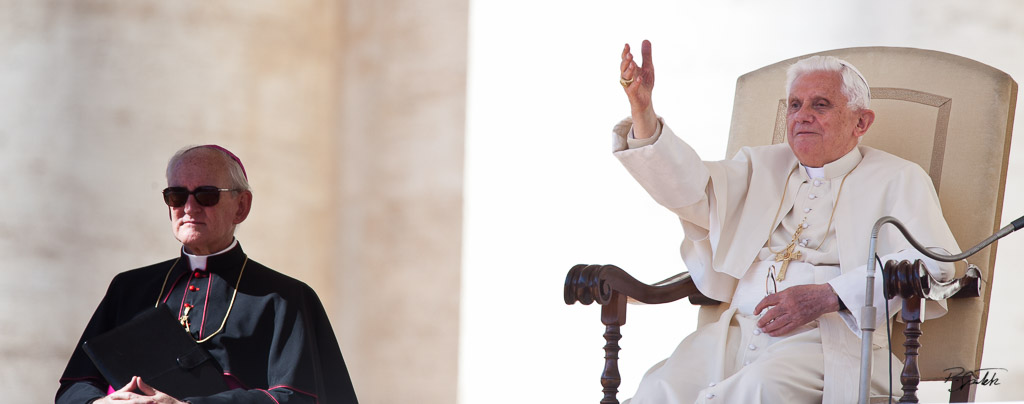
(913, 283)
(611, 287)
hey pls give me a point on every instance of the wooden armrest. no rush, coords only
(611, 287)
(589, 283)
(911, 280)
(970, 283)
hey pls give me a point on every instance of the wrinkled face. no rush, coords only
(820, 126)
(206, 229)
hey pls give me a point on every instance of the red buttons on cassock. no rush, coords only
(193, 288)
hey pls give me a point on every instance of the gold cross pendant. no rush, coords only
(789, 254)
(184, 318)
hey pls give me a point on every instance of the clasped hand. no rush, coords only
(138, 392)
(791, 308)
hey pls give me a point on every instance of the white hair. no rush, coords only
(238, 180)
(855, 86)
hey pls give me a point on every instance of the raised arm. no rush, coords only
(638, 82)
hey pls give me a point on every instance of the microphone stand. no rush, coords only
(867, 316)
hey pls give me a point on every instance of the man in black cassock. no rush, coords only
(268, 332)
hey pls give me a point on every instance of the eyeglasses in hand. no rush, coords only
(769, 282)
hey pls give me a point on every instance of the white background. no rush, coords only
(543, 191)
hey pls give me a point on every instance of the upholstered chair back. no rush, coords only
(951, 115)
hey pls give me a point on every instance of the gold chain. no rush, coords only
(783, 199)
(230, 305)
(165, 282)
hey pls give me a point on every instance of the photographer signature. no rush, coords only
(968, 377)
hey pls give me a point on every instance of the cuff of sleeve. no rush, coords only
(633, 143)
(842, 306)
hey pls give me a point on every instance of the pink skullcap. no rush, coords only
(230, 154)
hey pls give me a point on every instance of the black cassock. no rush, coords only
(277, 345)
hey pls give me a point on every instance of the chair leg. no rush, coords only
(611, 379)
(613, 315)
(911, 375)
(961, 390)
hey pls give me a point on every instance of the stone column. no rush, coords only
(400, 155)
(353, 149)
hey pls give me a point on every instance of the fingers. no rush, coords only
(155, 395)
(628, 67)
(630, 72)
(132, 385)
(128, 387)
(145, 388)
(776, 318)
(627, 59)
(769, 316)
(780, 326)
(127, 396)
(768, 301)
(120, 397)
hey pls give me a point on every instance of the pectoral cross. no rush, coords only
(184, 318)
(789, 254)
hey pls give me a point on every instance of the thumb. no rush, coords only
(645, 53)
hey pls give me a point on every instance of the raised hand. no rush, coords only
(638, 82)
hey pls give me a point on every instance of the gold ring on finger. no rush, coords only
(625, 83)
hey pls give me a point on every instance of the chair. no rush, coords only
(951, 115)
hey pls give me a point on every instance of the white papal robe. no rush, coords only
(735, 215)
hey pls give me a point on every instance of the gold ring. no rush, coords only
(625, 83)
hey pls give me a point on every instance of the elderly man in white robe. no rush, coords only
(780, 234)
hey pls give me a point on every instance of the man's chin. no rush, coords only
(191, 240)
(803, 149)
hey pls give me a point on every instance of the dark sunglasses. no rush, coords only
(206, 195)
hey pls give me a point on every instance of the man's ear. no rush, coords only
(865, 118)
(244, 205)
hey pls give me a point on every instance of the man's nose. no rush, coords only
(192, 205)
(803, 114)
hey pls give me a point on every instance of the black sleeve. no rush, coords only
(82, 382)
(79, 392)
(304, 353)
(334, 374)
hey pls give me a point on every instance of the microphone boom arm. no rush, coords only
(867, 317)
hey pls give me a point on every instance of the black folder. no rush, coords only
(155, 347)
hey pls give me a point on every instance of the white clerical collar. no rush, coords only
(815, 172)
(837, 168)
(198, 262)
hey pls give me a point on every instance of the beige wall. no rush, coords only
(352, 141)
(399, 209)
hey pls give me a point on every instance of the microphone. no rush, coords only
(867, 316)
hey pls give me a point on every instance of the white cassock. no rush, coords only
(736, 214)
